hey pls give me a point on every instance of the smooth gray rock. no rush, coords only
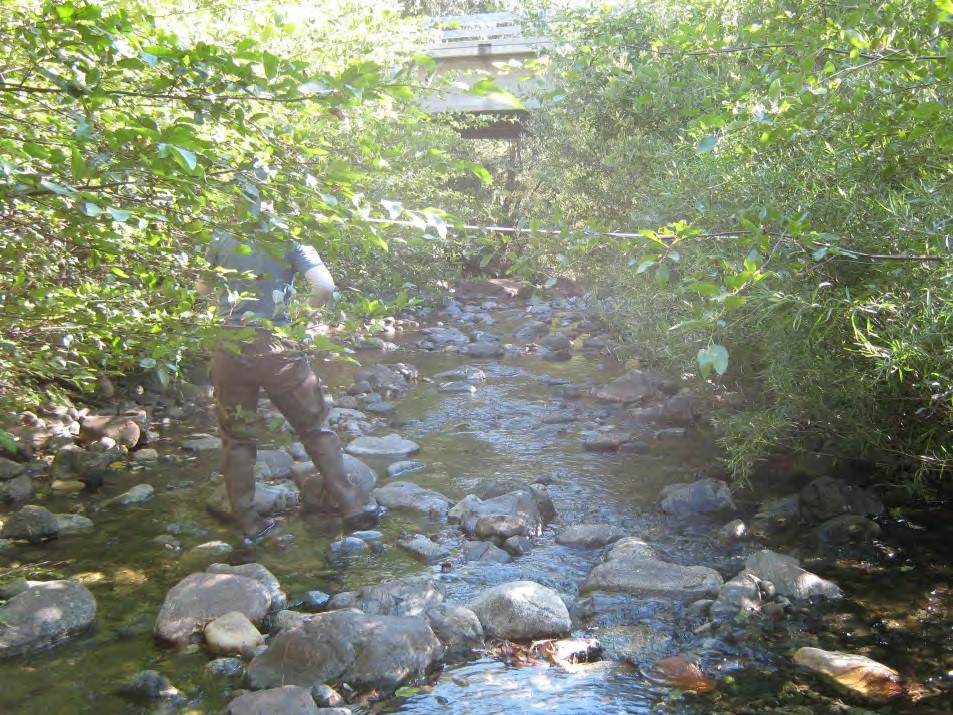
(349, 545)
(19, 490)
(10, 469)
(225, 667)
(589, 536)
(706, 496)
(407, 495)
(273, 464)
(392, 445)
(788, 577)
(399, 469)
(201, 442)
(513, 514)
(486, 552)
(457, 388)
(518, 545)
(742, 593)
(484, 349)
(72, 524)
(467, 373)
(75, 463)
(284, 700)
(33, 523)
(365, 651)
(522, 610)
(201, 597)
(258, 573)
(425, 549)
(138, 494)
(637, 386)
(268, 500)
(457, 628)
(44, 615)
(777, 514)
(641, 643)
(441, 337)
(409, 596)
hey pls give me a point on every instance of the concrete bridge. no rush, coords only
(468, 48)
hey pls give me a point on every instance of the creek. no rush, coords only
(896, 607)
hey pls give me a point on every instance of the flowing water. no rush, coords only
(897, 605)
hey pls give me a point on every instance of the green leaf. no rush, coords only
(148, 363)
(406, 691)
(719, 358)
(706, 144)
(662, 274)
(645, 265)
(185, 157)
(705, 288)
(8, 442)
(119, 214)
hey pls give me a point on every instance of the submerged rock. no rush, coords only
(422, 547)
(33, 523)
(522, 610)
(284, 700)
(148, 685)
(398, 469)
(825, 498)
(705, 496)
(407, 495)
(788, 577)
(855, 675)
(365, 651)
(589, 536)
(44, 615)
(409, 596)
(636, 386)
(392, 445)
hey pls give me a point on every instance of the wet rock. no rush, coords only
(44, 615)
(284, 700)
(409, 596)
(457, 628)
(706, 496)
(484, 350)
(10, 469)
(521, 610)
(380, 407)
(518, 545)
(315, 601)
(457, 388)
(348, 545)
(640, 643)
(494, 288)
(201, 442)
(589, 536)
(399, 469)
(138, 494)
(492, 488)
(407, 495)
(268, 500)
(201, 597)
(632, 568)
(777, 515)
(825, 498)
(855, 675)
(327, 697)
(258, 573)
(123, 430)
(788, 577)
(273, 464)
(148, 685)
(734, 530)
(531, 330)
(849, 529)
(442, 337)
(231, 634)
(604, 442)
(145, 456)
(69, 486)
(392, 445)
(544, 502)
(557, 341)
(365, 651)
(75, 463)
(425, 549)
(486, 552)
(72, 524)
(33, 523)
(742, 593)
(225, 667)
(513, 514)
(636, 386)
(19, 490)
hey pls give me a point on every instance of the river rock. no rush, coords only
(273, 464)
(776, 515)
(258, 573)
(457, 628)
(706, 496)
(349, 545)
(641, 643)
(788, 577)
(33, 523)
(518, 545)
(407, 495)
(631, 567)
(442, 337)
(422, 547)
(148, 685)
(513, 514)
(849, 530)
(457, 388)
(642, 386)
(72, 524)
(138, 494)
(486, 552)
(201, 597)
(44, 615)
(589, 536)
(201, 442)
(484, 349)
(399, 469)
(365, 651)
(19, 490)
(855, 675)
(492, 488)
(225, 667)
(284, 700)
(268, 500)
(231, 634)
(825, 498)
(522, 610)
(122, 429)
(75, 463)
(466, 373)
(409, 596)
(742, 593)
(10, 469)
(390, 446)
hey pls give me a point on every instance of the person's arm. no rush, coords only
(319, 279)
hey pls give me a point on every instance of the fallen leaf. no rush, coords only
(684, 675)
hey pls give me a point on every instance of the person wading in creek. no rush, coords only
(249, 357)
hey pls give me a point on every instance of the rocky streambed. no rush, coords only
(557, 538)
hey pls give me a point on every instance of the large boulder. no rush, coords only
(788, 577)
(522, 610)
(43, 615)
(258, 573)
(409, 596)
(632, 568)
(365, 651)
(391, 446)
(706, 496)
(825, 498)
(643, 386)
(513, 514)
(457, 628)
(855, 675)
(407, 495)
(201, 597)
(285, 700)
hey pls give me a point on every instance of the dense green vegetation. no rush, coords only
(788, 166)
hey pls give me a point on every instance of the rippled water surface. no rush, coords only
(498, 432)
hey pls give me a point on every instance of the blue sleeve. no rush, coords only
(304, 258)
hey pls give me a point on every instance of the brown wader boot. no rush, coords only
(293, 388)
